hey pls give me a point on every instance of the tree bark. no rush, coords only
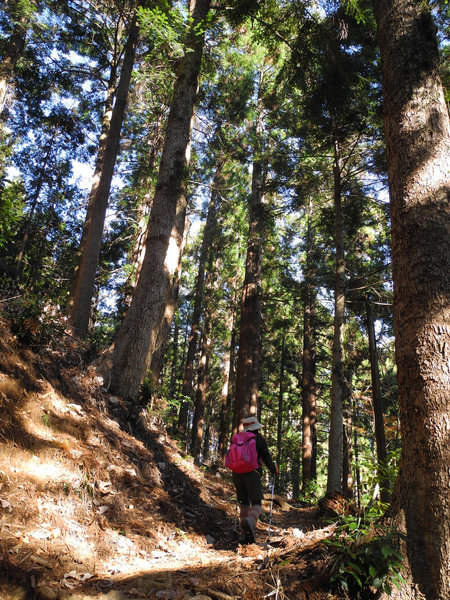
(418, 157)
(188, 378)
(347, 448)
(377, 402)
(356, 455)
(105, 127)
(89, 251)
(143, 211)
(150, 307)
(334, 478)
(200, 394)
(156, 363)
(174, 366)
(209, 419)
(227, 386)
(280, 406)
(205, 355)
(137, 254)
(309, 393)
(247, 373)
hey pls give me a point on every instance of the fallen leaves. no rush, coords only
(128, 514)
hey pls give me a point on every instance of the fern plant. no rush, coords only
(366, 559)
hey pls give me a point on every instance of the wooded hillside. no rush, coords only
(93, 509)
(210, 211)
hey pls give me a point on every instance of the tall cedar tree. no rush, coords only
(418, 154)
(228, 378)
(334, 79)
(188, 379)
(198, 416)
(309, 390)
(335, 454)
(89, 251)
(247, 373)
(377, 401)
(153, 300)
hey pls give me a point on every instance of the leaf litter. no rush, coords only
(91, 508)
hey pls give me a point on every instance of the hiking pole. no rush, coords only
(235, 516)
(271, 505)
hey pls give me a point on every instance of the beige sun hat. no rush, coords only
(251, 424)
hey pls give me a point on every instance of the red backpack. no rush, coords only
(242, 456)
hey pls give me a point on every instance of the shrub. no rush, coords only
(366, 557)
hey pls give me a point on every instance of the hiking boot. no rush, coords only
(243, 539)
(249, 533)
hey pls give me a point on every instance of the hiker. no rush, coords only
(248, 484)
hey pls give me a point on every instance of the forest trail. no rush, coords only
(89, 510)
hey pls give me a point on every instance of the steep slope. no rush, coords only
(90, 510)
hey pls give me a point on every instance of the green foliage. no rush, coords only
(102, 335)
(46, 419)
(356, 8)
(21, 9)
(31, 322)
(371, 473)
(87, 486)
(311, 491)
(172, 407)
(239, 10)
(366, 557)
(11, 210)
(163, 28)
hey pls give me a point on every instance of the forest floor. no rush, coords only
(91, 510)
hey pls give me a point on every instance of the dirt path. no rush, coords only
(195, 567)
(92, 509)
(187, 565)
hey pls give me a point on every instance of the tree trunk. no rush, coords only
(105, 127)
(295, 473)
(337, 377)
(37, 259)
(156, 363)
(138, 252)
(203, 368)
(377, 401)
(227, 386)
(143, 211)
(418, 157)
(200, 394)
(174, 366)
(89, 251)
(206, 451)
(356, 455)
(309, 393)
(347, 448)
(247, 374)
(188, 378)
(150, 307)
(280, 406)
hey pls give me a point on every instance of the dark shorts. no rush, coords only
(248, 488)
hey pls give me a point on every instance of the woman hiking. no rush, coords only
(248, 483)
